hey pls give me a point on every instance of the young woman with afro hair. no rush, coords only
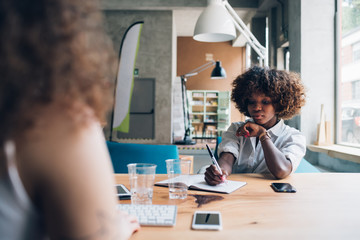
(263, 143)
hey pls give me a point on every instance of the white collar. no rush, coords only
(277, 128)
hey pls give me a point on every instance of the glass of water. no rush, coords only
(142, 177)
(178, 177)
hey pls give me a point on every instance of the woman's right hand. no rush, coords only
(213, 176)
(126, 225)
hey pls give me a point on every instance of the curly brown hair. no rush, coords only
(284, 88)
(52, 51)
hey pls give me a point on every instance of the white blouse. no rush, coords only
(249, 157)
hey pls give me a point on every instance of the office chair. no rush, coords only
(124, 153)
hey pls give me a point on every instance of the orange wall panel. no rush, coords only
(191, 54)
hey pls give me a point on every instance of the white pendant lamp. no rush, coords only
(214, 24)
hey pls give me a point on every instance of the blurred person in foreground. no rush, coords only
(56, 177)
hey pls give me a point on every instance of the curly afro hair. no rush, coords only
(284, 88)
(52, 52)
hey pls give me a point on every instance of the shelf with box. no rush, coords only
(209, 112)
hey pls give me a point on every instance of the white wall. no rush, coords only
(312, 54)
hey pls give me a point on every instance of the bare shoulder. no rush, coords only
(68, 171)
(55, 137)
(56, 153)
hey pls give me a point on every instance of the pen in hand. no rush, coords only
(215, 162)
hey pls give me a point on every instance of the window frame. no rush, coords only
(338, 80)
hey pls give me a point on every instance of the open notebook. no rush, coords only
(197, 182)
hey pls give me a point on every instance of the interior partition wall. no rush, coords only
(154, 60)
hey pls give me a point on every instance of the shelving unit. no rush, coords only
(209, 111)
(223, 111)
(196, 110)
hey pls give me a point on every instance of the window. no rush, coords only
(356, 51)
(355, 90)
(348, 95)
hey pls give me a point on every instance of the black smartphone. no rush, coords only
(283, 187)
(122, 192)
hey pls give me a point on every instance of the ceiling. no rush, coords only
(186, 12)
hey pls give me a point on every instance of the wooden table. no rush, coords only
(325, 206)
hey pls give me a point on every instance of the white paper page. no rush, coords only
(198, 182)
(226, 187)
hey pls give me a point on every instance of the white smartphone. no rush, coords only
(207, 220)
(122, 192)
